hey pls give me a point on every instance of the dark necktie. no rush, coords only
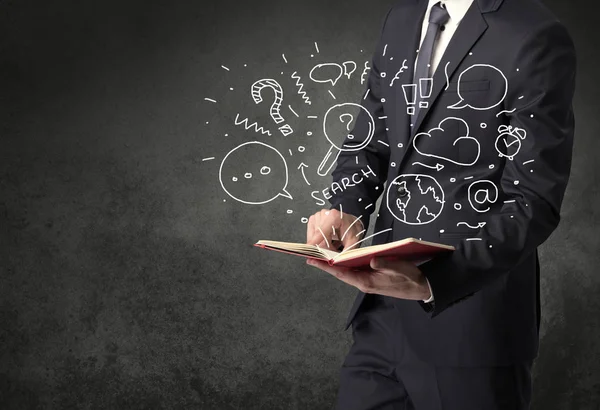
(437, 17)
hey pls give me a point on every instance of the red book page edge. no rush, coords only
(293, 253)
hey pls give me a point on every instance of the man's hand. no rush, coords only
(396, 278)
(330, 229)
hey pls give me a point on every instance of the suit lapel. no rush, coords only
(413, 29)
(471, 28)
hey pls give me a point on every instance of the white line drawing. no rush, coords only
(437, 167)
(382, 118)
(284, 59)
(304, 220)
(317, 47)
(356, 157)
(383, 143)
(318, 68)
(312, 116)
(368, 206)
(208, 159)
(290, 151)
(416, 207)
(486, 193)
(479, 225)
(410, 96)
(262, 151)
(289, 211)
(359, 234)
(397, 76)
(521, 97)
(362, 240)
(301, 148)
(384, 50)
(493, 72)
(300, 88)
(292, 110)
(365, 72)
(347, 229)
(323, 235)
(249, 126)
(341, 212)
(471, 177)
(440, 128)
(457, 206)
(225, 68)
(505, 112)
(210, 99)
(301, 168)
(332, 94)
(511, 138)
(256, 90)
(334, 151)
(367, 93)
(483, 125)
(425, 89)
(473, 239)
(347, 70)
(447, 77)
(510, 201)
(527, 162)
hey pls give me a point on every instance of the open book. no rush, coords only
(409, 248)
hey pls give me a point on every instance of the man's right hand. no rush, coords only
(330, 229)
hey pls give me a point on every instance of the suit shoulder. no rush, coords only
(525, 17)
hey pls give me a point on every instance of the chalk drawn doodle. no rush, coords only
(508, 143)
(300, 88)
(410, 96)
(301, 167)
(489, 193)
(254, 125)
(455, 124)
(319, 73)
(425, 89)
(446, 74)
(256, 90)
(263, 182)
(335, 115)
(493, 75)
(349, 68)
(397, 76)
(365, 72)
(421, 200)
(479, 225)
(437, 167)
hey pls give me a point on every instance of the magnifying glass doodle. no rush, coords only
(339, 114)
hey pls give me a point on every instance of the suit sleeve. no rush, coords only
(370, 164)
(541, 88)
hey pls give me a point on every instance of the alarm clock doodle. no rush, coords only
(508, 143)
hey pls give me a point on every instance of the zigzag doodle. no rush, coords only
(300, 86)
(253, 125)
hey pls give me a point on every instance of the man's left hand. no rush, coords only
(396, 278)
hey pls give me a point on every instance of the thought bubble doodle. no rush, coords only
(452, 126)
(264, 170)
(477, 71)
(326, 73)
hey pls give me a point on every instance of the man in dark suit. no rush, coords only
(470, 129)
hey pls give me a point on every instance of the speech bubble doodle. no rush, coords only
(454, 124)
(349, 68)
(489, 72)
(264, 170)
(319, 73)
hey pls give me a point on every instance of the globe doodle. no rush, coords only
(415, 199)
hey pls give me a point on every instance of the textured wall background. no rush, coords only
(125, 279)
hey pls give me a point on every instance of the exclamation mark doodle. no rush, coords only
(425, 89)
(410, 95)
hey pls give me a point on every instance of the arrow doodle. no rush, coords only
(301, 167)
(437, 167)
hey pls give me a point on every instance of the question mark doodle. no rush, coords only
(256, 90)
(350, 136)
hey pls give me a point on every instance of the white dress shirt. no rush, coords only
(457, 10)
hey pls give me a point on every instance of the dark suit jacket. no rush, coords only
(492, 191)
